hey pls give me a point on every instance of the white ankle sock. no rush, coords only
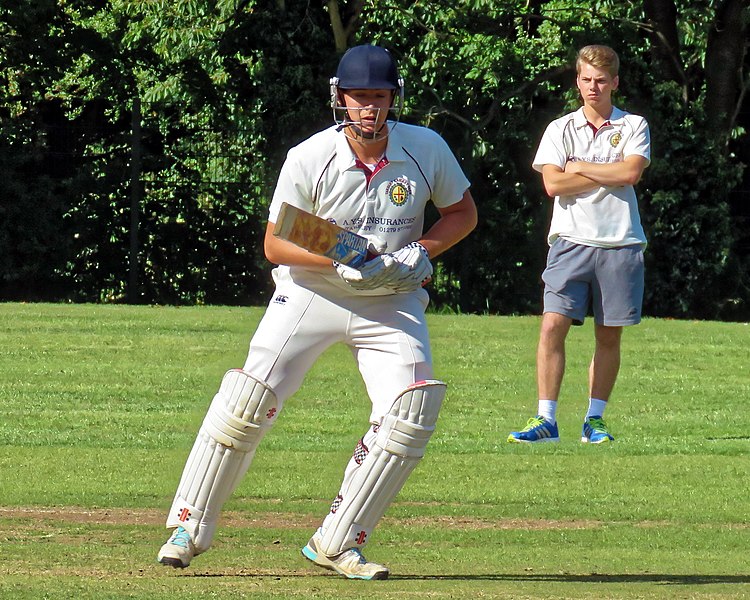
(548, 410)
(596, 407)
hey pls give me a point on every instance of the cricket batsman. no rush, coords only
(372, 175)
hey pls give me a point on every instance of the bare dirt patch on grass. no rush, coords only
(270, 520)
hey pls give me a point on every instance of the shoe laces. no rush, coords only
(360, 558)
(533, 422)
(180, 538)
(353, 554)
(597, 424)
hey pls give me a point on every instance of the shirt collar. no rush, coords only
(345, 158)
(579, 119)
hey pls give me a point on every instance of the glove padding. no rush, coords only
(404, 270)
(374, 272)
(413, 268)
(376, 245)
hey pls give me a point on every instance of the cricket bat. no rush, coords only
(320, 236)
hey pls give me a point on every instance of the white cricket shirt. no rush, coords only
(606, 217)
(321, 176)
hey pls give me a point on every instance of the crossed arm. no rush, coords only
(579, 176)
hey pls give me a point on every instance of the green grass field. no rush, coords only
(101, 404)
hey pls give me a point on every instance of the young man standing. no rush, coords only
(590, 160)
(373, 176)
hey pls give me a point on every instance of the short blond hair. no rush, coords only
(601, 57)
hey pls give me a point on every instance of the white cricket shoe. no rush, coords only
(350, 563)
(178, 551)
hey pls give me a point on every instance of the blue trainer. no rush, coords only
(595, 431)
(537, 429)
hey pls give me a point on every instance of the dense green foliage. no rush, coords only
(140, 141)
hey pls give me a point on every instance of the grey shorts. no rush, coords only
(610, 280)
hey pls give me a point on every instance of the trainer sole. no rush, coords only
(172, 562)
(314, 557)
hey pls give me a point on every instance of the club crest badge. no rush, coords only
(615, 140)
(399, 191)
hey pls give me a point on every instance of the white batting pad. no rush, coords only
(239, 416)
(371, 484)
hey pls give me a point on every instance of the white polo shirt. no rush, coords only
(321, 176)
(605, 217)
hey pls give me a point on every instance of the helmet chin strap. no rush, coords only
(353, 128)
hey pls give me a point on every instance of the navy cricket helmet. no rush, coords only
(368, 68)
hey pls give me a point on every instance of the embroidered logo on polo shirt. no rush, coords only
(615, 140)
(398, 191)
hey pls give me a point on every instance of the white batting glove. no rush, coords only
(372, 274)
(413, 269)
(350, 275)
(375, 244)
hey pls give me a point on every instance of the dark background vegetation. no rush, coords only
(140, 140)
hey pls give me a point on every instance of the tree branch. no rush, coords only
(497, 101)
(665, 50)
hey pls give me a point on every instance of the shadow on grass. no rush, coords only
(662, 578)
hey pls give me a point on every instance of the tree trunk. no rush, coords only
(724, 59)
(665, 42)
(343, 26)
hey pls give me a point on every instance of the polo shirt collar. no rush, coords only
(580, 120)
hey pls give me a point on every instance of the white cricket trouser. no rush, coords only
(387, 335)
(388, 338)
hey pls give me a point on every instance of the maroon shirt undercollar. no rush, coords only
(367, 171)
(595, 128)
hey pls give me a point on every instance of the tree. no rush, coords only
(692, 212)
(204, 80)
(36, 171)
(490, 75)
(224, 88)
